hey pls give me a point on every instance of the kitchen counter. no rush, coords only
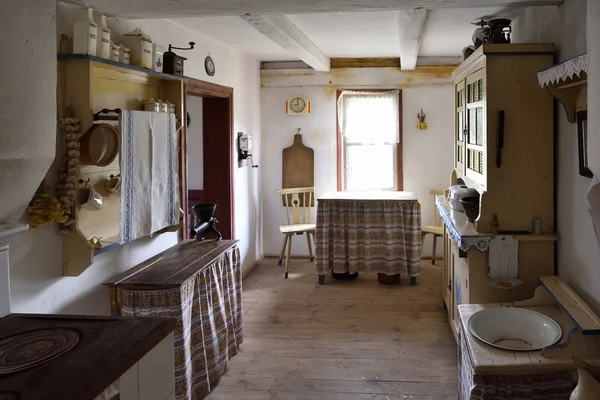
(104, 349)
(464, 234)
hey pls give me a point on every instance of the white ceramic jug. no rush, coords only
(587, 388)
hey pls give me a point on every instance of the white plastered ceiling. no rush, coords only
(338, 28)
(349, 34)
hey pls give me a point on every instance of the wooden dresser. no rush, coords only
(504, 148)
(199, 284)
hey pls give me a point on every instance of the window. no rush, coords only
(369, 140)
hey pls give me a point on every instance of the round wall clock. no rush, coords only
(297, 106)
(209, 66)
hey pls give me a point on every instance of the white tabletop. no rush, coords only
(369, 195)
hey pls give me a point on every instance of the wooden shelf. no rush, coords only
(88, 84)
(465, 235)
(567, 82)
(162, 75)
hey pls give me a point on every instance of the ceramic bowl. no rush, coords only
(515, 329)
(470, 206)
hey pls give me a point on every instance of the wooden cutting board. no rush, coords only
(298, 165)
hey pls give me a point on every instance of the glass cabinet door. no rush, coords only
(475, 127)
(460, 127)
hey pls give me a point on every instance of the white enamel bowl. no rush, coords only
(515, 329)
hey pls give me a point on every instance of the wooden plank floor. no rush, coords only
(341, 341)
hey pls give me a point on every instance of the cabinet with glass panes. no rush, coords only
(504, 128)
(504, 148)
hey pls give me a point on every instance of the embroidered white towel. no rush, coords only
(149, 173)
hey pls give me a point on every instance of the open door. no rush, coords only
(216, 154)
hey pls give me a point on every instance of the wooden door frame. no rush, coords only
(195, 87)
(340, 145)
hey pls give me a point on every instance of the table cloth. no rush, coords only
(372, 231)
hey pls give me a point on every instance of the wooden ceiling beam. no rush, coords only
(380, 62)
(411, 26)
(282, 31)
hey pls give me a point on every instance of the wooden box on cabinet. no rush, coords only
(504, 129)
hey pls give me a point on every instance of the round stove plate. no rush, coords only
(29, 349)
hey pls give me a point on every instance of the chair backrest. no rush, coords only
(437, 220)
(297, 204)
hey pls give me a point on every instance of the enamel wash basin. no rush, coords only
(515, 329)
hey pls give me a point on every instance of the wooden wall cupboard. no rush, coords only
(504, 130)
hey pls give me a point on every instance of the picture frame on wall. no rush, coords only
(582, 141)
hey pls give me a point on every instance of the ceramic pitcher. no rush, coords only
(587, 388)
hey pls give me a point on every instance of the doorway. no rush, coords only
(208, 138)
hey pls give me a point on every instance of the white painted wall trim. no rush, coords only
(282, 31)
(358, 77)
(411, 26)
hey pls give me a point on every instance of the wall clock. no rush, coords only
(297, 106)
(209, 66)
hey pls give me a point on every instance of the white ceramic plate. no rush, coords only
(514, 329)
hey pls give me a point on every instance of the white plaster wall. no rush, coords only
(427, 154)
(578, 254)
(27, 111)
(194, 144)
(36, 278)
(28, 101)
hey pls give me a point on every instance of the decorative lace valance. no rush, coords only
(563, 71)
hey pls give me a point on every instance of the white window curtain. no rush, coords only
(369, 117)
(369, 124)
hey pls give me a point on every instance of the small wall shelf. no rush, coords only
(162, 75)
(567, 82)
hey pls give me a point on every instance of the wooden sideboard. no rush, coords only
(504, 148)
(199, 284)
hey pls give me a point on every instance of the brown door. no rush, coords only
(218, 174)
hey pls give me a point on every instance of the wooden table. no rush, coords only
(199, 283)
(368, 231)
(487, 369)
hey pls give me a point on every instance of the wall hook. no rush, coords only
(85, 181)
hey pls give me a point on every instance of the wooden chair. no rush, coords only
(437, 229)
(297, 206)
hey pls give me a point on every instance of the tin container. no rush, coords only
(85, 34)
(152, 105)
(114, 52)
(157, 57)
(140, 45)
(124, 54)
(537, 226)
(103, 48)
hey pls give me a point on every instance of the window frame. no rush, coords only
(341, 148)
